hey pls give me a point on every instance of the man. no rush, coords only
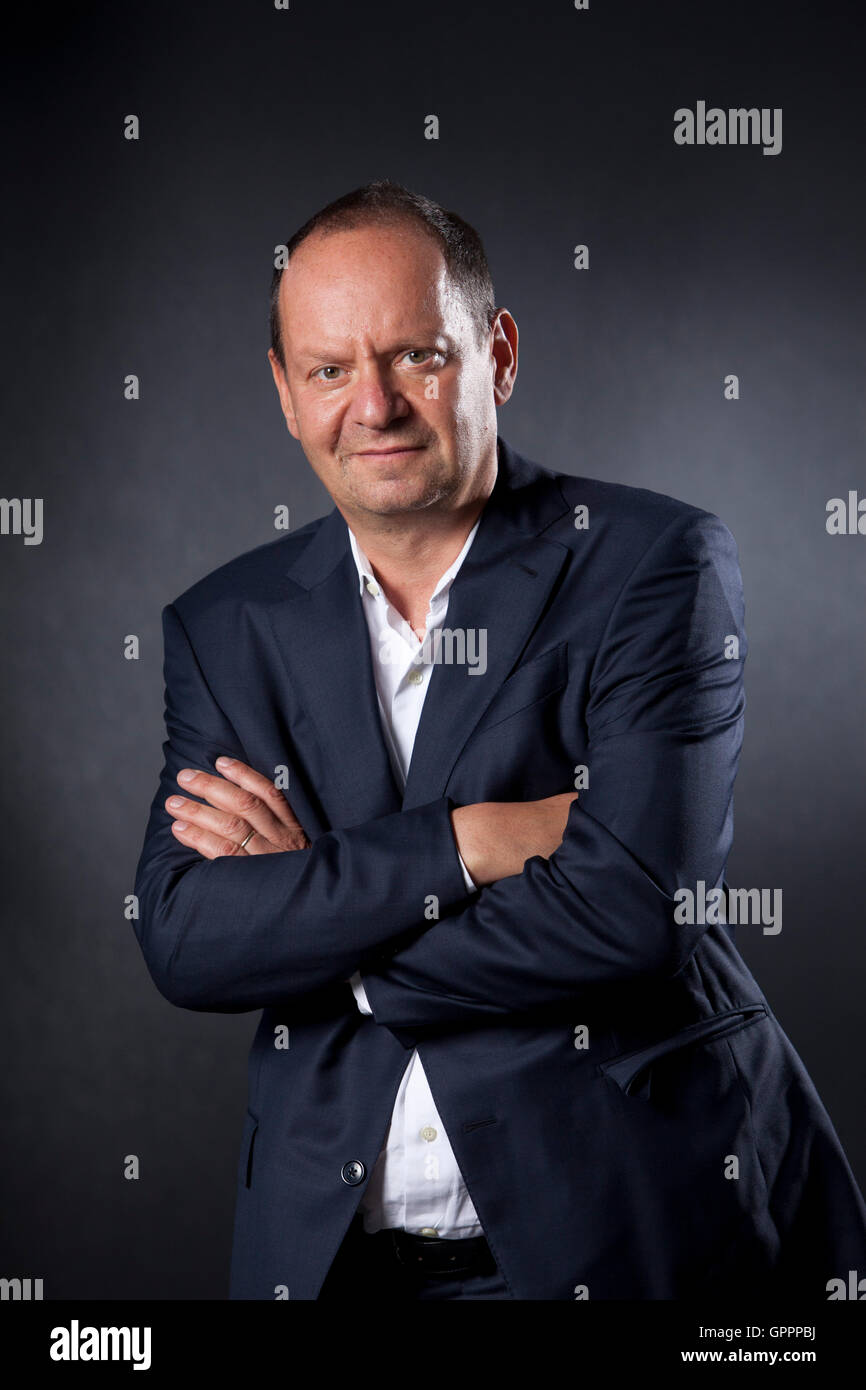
(437, 767)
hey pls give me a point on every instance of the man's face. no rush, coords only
(385, 384)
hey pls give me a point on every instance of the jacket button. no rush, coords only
(353, 1173)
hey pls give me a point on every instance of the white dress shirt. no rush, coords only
(416, 1184)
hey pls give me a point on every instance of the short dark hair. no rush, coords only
(385, 203)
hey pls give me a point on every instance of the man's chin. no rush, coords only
(397, 502)
(391, 496)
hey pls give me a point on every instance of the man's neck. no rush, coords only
(409, 554)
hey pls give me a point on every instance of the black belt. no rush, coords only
(435, 1255)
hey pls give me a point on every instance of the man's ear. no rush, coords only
(283, 392)
(504, 355)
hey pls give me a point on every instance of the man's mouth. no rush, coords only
(396, 453)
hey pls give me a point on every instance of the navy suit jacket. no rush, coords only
(683, 1150)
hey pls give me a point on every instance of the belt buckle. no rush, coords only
(403, 1249)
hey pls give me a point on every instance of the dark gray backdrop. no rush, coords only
(154, 258)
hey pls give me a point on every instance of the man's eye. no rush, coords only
(421, 355)
(327, 369)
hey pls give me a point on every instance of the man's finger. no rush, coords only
(246, 777)
(242, 804)
(237, 805)
(224, 824)
(209, 845)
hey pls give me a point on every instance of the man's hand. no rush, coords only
(495, 838)
(239, 801)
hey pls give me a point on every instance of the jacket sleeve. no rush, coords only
(665, 723)
(233, 934)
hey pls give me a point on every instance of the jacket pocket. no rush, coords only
(248, 1143)
(630, 1071)
(530, 683)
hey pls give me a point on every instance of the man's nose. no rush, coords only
(377, 398)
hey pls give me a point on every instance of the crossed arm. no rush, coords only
(558, 913)
(241, 812)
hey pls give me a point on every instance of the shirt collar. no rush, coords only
(365, 573)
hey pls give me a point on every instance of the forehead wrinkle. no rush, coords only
(427, 328)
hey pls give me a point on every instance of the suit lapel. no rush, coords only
(501, 587)
(324, 641)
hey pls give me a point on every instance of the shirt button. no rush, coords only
(415, 676)
(372, 588)
(428, 1134)
(353, 1173)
